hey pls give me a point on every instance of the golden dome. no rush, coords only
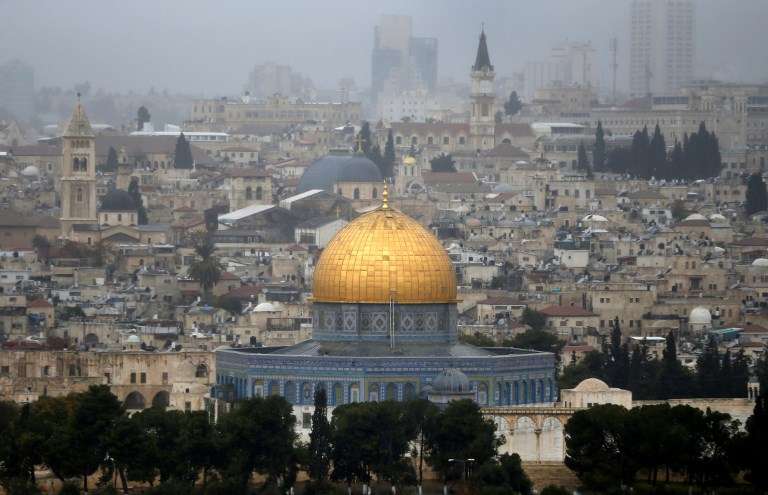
(381, 255)
(409, 160)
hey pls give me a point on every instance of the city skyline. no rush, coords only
(210, 60)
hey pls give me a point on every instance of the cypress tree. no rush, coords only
(756, 440)
(135, 192)
(658, 155)
(182, 157)
(756, 197)
(708, 370)
(389, 155)
(739, 374)
(598, 152)
(364, 137)
(320, 439)
(583, 160)
(726, 375)
(111, 165)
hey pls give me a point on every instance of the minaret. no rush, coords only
(78, 174)
(482, 118)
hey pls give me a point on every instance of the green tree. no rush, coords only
(230, 304)
(498, 117)
(353, 450)
(513, 105)
(442, 163)
(598, 151)
(320, 439)
(533, 319)
(363, 143)
(259, 435)
(182, 156)
(420, 415)
(674, 380)
(206, 268)
(708, 371)
(504, 476)
(142, 117)
(756, 462)
(460, 432)
(539, 340)
(388, 161)
(582, 163)
(596, 447)
(658, 155)
(135, 191)
(112, 163)
(756, 197)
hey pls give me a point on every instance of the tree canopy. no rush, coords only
(182, 156)
(443, 163)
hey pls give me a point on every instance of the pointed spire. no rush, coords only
(482, 60)
(78, 125)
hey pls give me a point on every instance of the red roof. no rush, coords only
(39, 303)
(565, 311)
(449, 177)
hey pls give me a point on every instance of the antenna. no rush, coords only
(614, 48)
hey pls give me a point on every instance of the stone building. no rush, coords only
(384, 322)
(138, 378)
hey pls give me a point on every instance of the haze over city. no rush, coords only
(130, 45)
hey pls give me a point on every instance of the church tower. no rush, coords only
(78, 174)
(482, 118)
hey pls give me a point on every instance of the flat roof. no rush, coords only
(233, 216)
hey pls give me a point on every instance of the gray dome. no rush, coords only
(451, 381)
(117, 200)
(330, 169)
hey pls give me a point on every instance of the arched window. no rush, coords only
(414, 140)
(375, 193)
(119, 217)
(290, 392)
(84, 164)
(391, 391)
(258, 388)
(356, 193)
(79, 194)
(354, 393)
(259, 193)
(373, 392)
(76, 165)
(201, 371)
(248, 193)
(338, 394)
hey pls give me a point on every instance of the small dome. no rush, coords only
(409, 160)
(763, 262)
(133, 339)
(716, 217)
(592, 385)
(473, 222)
(451, 381)
(695, 216)
(700, 316)
(330, 169)
(30, 171)
(117, 200)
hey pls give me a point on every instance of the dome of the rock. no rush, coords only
(381, 256)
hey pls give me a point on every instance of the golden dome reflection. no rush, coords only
(384, 255)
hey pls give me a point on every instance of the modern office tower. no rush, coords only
(399, 61)
(17, 89)
(661, 46)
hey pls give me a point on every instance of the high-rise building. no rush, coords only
(661, 46)
(267, 80)
(17, 89)
(569, 64)
(399, 61)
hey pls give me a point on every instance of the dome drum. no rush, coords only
(413, 323)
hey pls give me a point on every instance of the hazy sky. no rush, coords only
(209, 46)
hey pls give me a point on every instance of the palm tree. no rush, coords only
(206, 270)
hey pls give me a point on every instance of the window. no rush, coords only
(306, 421)
(45, 371)
(375, 193)
(133, 377)
(248, 193)
(356, 193)
(165, 378)
(259, 193)
(187, 406)
(399, 140)
(79, 195)
(108, 378)
(446, 140)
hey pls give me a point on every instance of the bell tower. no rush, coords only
(78, 175)
(482, 121)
